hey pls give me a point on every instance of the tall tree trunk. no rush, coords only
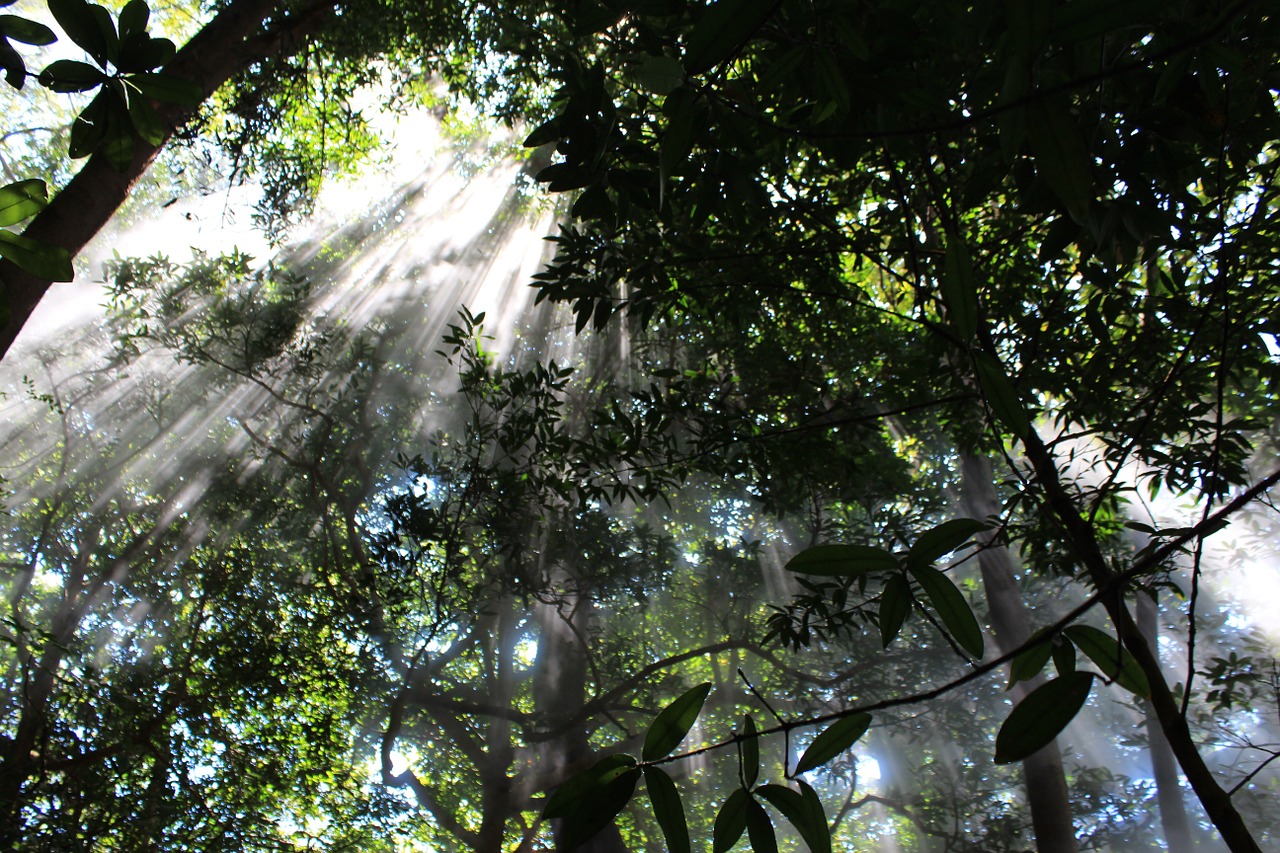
(1046, 781)
(244, 32)
(1164, 767)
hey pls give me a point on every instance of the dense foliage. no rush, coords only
(927, 303)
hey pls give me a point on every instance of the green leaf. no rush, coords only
(842, 560)
(667, 809)
(942, 540)
(1062, 160)
(895, 604)
(837, 737)
(1108, 655)
(89, 128)
(107, 27)
(563, 176)
(674, 722)
(588, 802)
(51, 263)
(133, 18)
(951, 606)
(660, 75)
(677, 139)
(15, 70)
(21, 200)
(26, 31)
(960, 289)
(1064, 656)
(1041, 716)
(760, 828)
(1001, 396)
(543, 134)
(141, 52)
(749, 751)
(731, 821)
(1028, 664)
(70, 75)
(146, 121)
(804, 810)
(718, 33)
(81, 26)
(167, 89)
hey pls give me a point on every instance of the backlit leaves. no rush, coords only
(842, 560)
(835, 739)
(949, 603)
(588, 802)
(674, 722)
(1039, 717)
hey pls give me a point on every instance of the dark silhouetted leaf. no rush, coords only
(1109, 656)
(1039, 718)
(895, 604)
(952, 608)
(731, 821)
(667, 809)
(1002, 397)
(842, 560)
(837, 737)
(26, 31)
(750, 751)
(1062, 159)
(1029, 663)
(960, 289)
(760, 828)
(70, 75)
(588, 802)
(168, 89)
(942, 540)
(674, 722)
(660, 75)
(804, 810)
(726, 24)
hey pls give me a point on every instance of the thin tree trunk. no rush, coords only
(1164, 768)
(1051, 815)
(245, 32)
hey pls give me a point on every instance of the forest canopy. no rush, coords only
(880, 456)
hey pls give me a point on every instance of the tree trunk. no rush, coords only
(1164, 768)
(1046, 781)
(234, 39)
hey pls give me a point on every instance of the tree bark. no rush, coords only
(1051, 815)
(245, 32)
(1164, 768)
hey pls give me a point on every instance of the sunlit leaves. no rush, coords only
(833, 740)
(674, 722)
(22, 199)
(1039, 717)
(40, 259)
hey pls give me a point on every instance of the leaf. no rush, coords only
(26, 31)
(146, 121)
(837, 737)
(1114, 660)
(1001, 396)
(667, 809)
(22, 199)
(15, 70)
(660, 75)
(749, 751)
(1028, 664)
(677, 139)
(133, 18)
(760, 828)
(89, 128)
(726, 24)
(731, 821)
(804, 810)
(1062, 159)
(842, 561)
(942, 540)
(588, 802)
(1064, 656)
(141, 52)
(949, 603)
(78, 21)
(167, 89)
(70, 75)
(674, 722)
(1039, 718)
(563, 176)
(960, 289)
(895, 604)
(543, 134)
(51, 263)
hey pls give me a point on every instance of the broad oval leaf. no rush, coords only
(52, 263)
(1114, 660)
(1039, 718)
(731, 821)
(749, 753)
(668, 809)
(133, 18)
(674, 722)
(760, 828)
(835, 739)
(842, 560)
(895, 604)
(1064, 656)
(804, 810)
(167, 89)
(70, 75)
(726, 24)
(951, 606)
(588, 802)
(26, 31)
(942, 540)
(22, 199)
(1029, 663)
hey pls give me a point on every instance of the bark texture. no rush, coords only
(246, 31)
